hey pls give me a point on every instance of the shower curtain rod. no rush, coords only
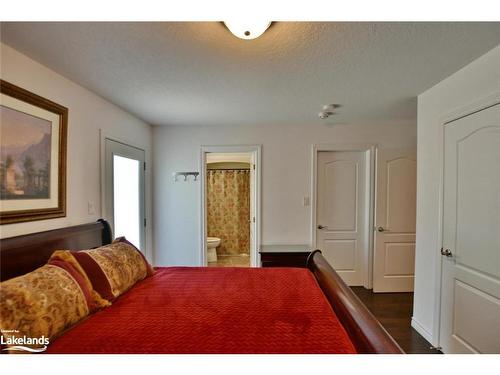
(228, 169)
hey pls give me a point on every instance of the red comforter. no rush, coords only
(214, 310)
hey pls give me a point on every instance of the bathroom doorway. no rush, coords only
(230, 192)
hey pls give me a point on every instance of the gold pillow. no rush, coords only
(37, 307)
(112, 269)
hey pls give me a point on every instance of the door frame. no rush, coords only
(103, 135)
(256, 151)
(370, 154)
(446, 119)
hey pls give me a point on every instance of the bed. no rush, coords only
(210, 310)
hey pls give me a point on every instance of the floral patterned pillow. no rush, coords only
(39, 306)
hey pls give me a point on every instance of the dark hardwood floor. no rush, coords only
(394, 311)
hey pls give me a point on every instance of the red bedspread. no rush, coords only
(214, 310)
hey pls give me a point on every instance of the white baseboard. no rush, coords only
(420, 329)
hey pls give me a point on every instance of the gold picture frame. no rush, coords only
(33, 141)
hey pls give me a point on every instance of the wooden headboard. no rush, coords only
(23, 254)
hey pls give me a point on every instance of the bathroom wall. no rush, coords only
(228, 157)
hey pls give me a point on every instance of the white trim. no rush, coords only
(434, 339)
(446, 120)
(370, 150)
(472, 107)
(421, 329)
(256, 151)
(372, 185)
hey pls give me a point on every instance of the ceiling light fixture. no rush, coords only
(247, 29)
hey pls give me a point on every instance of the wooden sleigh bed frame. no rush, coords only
(23, 254)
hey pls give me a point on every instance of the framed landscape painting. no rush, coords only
(33, 133)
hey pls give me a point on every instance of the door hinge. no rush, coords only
(144, 221)
(144, 165)
(253, 167)
(253, 219)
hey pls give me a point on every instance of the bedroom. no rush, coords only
(367, 183)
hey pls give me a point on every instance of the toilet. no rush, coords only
(212, 243)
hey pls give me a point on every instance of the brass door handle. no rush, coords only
(381, 229)
(321, 227)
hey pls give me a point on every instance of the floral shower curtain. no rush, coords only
(228, 210)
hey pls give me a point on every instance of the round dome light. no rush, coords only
(247, 30)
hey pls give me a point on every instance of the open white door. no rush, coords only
(395, 218)
(470, 289)
(341, 212)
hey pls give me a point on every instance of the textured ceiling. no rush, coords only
(170, 73)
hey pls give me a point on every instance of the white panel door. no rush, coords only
(395, 217)
(470, 294)
(341, 219)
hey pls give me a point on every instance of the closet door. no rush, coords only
(395, 217)
(341, 214)
(470, 296)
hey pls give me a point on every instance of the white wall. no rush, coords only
(286, 178)
(87, 114)
(475, 81)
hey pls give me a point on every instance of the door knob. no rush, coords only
(446, 252)
(381, 229)
(321, 227)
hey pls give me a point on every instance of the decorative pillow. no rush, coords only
(149, 267)
(40, 305)
(63, 258)
(112, 269)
